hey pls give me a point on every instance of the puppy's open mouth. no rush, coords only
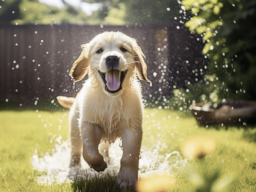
(113, 80)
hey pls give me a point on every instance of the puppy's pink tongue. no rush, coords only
(113, 80)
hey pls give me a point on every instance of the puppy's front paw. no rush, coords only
(100, 166)
(97, 163)
(126, 177)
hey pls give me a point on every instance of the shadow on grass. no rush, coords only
(250, 135)
(105, 184)
(249, 129)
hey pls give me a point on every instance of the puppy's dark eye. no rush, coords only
(99, 51)
(123, 49)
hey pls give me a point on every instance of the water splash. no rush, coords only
(57, 168)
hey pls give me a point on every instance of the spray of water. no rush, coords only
(57, 168)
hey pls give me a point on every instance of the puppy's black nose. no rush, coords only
(112, 60)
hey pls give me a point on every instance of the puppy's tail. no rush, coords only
(66, 102)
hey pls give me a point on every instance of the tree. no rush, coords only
(9, 10)
(32, 11)
(228, 29)
(134, 11)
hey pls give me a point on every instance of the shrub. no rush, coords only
(228, 30)
(199, 92)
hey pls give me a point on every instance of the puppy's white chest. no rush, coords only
(103, 110)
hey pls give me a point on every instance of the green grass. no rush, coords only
(106, 184)
(21, 133)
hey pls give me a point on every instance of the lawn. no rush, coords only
(24, 132)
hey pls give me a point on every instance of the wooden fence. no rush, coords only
(35, 59)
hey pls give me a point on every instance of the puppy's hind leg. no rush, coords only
(104, 150)
(75, 138)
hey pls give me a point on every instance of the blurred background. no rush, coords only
(195, 51)
(41, 39)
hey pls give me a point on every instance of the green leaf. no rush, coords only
(216, 9)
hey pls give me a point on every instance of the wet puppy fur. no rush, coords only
(109, 105)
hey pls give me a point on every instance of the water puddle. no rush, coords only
(57, 165)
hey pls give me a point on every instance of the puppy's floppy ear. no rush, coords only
(141, 67)
(80, 66)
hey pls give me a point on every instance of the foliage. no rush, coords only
(34, 12)
(133, 11)
(227, 28)
(199, 92)
(116, 16)
(151, 11)
(114, 12)
(9, 10)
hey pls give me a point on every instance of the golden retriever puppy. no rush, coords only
(109, 105)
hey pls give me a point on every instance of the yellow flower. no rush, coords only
(155, 183)
(198, 147)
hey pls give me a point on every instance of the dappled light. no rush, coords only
(192, 95)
